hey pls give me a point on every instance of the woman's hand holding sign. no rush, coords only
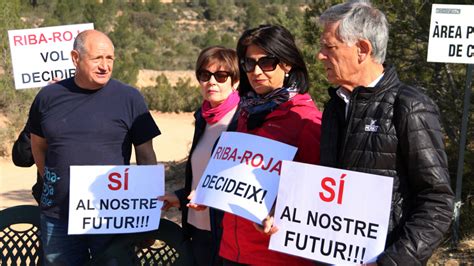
(267, 227)
(195, 206)
(267, 224)
(169, 200)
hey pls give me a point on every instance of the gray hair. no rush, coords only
(359, 20)
(80, 41)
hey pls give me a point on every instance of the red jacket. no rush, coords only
(297, 123)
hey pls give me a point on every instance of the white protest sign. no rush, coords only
(41, 54)
(242, 175)
(331, 215)
(451, 34)
(115, 199)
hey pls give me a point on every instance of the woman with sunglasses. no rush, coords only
(274, 104)
(218, 74)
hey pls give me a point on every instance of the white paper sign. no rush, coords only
(242, 175)
(331, 215)
(41, 54)
(115, 199)
(451, 34)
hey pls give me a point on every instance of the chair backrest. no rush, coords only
(20, 242)
(164, 246)
(169, 246)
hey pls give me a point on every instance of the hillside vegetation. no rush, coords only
(157, 36)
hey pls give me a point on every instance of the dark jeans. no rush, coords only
(204, 250)
(62, 249)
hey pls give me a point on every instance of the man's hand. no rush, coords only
(54, 80)
(267, 224)
(267, 227)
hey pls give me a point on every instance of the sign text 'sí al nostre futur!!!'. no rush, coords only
(331, 215)
(115, 199)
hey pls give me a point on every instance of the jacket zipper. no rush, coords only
(350, 115)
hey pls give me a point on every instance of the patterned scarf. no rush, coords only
(213, 115)
(256, 107)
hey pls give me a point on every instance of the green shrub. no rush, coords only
(14, 104)
(182, 97)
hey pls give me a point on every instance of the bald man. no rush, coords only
(89, 119)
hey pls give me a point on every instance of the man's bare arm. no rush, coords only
(145, 154)
(38, 148)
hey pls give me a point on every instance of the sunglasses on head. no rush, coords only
(266, 63)
(219, 76)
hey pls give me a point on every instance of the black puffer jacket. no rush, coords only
(393, 130)
(23, 157)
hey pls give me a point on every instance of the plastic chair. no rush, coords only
(20, 241)
(166, 246)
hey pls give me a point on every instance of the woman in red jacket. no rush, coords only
(274, 104)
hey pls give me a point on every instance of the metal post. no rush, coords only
(462, 145)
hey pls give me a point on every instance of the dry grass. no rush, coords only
(7, 132)
(147, 77)
(462, 255)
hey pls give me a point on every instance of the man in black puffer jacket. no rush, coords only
(376, 124)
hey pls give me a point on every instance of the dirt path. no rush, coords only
(172, 145)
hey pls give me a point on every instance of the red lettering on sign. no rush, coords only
(116, 183)
(327, 185)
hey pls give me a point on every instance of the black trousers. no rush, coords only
(226, 262)
(203, 248)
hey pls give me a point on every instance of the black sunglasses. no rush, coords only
(266, 63)
(220, 76)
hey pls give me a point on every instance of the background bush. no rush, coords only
(181, 97)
